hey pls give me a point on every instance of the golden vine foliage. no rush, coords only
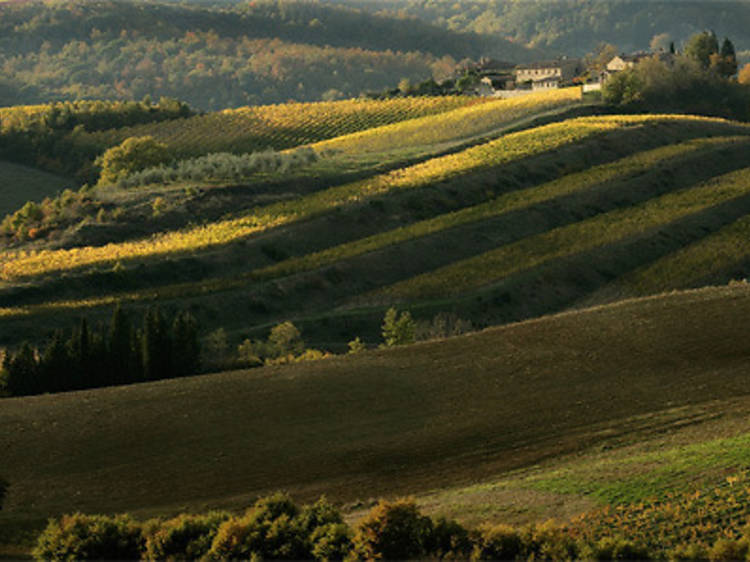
(597, 231)
(280, 126)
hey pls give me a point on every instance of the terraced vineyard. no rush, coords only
(589, 207)
(569, 240)
(280, 126)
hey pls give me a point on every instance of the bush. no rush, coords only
(356, 346)
(90, 537)
(398, 330)
(184, 537)
(331, 542)
(132, 155)
(220, 166)
(728, 549)
(270, 530)
(692, 552)
(617, 548)
(548, 542)
(393, 531)
(498, 542)
(450, 540)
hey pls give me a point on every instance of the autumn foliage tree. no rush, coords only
(132, 155)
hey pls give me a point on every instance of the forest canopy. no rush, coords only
(221, 56)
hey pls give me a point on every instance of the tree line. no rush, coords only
(46, 137)
(161, 347)
(699, 80)
(275, 528)
(252, 53)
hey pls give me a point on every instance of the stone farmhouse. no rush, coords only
(549, 74)
(510, 81)
(624, 62)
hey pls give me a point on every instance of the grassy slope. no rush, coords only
(21, 184)
(406, 420)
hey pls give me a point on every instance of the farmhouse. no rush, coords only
(624, 62)
(542, 75)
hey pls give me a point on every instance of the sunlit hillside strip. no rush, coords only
(566, 185)
(282, 126)
(18, 115)
(568, 240)
(457, 125)
(711, 255)
(700, 516)
(500, 151)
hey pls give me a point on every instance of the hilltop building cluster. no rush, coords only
(505, 80)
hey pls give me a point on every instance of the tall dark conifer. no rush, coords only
(122, 361)
(79, 349)
(728, 66)
(156, 348)
(55, 366)
(185, 344)
(23, 372)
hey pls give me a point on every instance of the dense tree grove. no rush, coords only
(575, 27)
(697, 81)
(217, 57)
(119, 354)
(49, 137)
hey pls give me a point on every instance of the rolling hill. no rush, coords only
(577, 27)
(23, 183)
(597, 258)
(219, 56)
(441, 414)
(493, 212)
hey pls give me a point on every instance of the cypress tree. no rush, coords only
(22, 371)
(79, 349)
(122, 360)
(98, 363)
(186, 347)
(728, 65)
(156, 352)
(54, 365)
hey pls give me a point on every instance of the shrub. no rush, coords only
(617, 548)
(450, 540)
(319, 514)
(693, 552)
(498, 542)
(184, 537)
(90, 537)
(270, 530)
(393, 531)
(548, 542)
(356, 346)
(220, 166)
(398, 329)
(130, 156)
(285, 338)
(728, 549)
(331, 542)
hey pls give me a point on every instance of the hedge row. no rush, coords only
(277, 529)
